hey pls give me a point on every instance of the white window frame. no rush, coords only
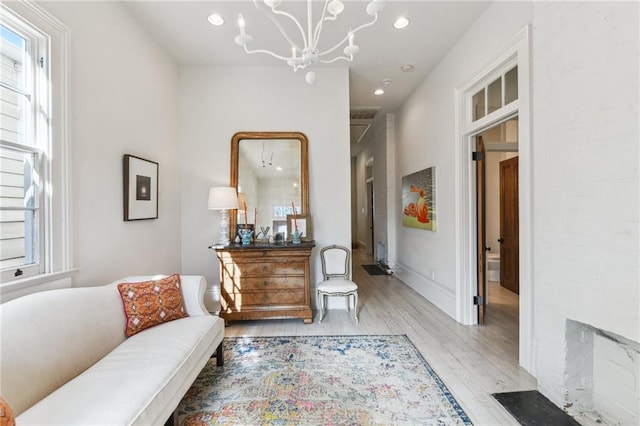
(37, 137)
(53, 142)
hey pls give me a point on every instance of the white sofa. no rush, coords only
(65, 359)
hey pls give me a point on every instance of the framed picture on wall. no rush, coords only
(303, 223)
(140, 179)
(419, 199)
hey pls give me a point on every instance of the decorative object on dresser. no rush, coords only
(262, 281)
(223, 198)
(140, 188)
(301, 224)
(336, 266)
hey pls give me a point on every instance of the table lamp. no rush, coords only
(223, 198)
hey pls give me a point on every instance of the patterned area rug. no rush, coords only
(320, 380)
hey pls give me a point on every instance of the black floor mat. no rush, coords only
(531, 408)
(373, 270)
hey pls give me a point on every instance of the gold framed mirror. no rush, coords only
(270, 172)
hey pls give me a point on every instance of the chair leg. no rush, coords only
(321, 301)
(355, 306)
(346, 303)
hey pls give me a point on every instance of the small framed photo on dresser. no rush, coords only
(303, 223)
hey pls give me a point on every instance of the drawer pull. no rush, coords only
(265, 268)
(264, 283)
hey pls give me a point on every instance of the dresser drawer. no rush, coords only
(266, 298)
(264, 283)
(261, 269)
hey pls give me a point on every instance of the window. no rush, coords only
(24, 147)
(499, 93)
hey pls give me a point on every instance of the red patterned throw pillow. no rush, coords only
(150, 303)
(6, 415)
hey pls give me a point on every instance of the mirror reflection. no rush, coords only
(270, 174)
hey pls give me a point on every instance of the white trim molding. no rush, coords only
(515, 52)
(434, 292)
(59, 251)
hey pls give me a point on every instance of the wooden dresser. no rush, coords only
(261, 281)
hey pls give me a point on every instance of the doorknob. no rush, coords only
(500, 240)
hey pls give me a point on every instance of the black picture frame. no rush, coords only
(140, 188)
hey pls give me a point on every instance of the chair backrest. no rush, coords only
(335, 262)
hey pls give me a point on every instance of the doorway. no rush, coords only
(477, 109)
(370, 219)
(498, 243)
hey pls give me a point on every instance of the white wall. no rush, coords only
(124, 94)
(586, 187)
(425, 137)
(215, 103)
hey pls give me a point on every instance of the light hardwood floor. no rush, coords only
(473, 361)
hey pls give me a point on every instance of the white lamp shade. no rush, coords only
(223, 198)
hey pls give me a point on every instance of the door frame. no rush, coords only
(370, 226)
(516, 51)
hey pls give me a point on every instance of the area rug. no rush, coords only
(373, 270)
(531, 408)
(320, 380)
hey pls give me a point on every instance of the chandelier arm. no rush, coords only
(318, 29)
(337, 58)
(340, 43)
(316, 36)
(277, 24)
(267, 52)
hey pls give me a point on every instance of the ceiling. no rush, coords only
(182, 29)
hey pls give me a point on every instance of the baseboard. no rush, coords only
(433, 291)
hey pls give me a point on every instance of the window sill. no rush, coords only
(25, 283)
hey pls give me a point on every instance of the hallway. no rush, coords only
(473, 361)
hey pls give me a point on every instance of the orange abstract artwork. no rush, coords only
(418, 200)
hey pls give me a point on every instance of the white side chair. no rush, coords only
(337, 281)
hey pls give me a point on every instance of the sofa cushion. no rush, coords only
(48, 338)
(140, 382)
(150, 303)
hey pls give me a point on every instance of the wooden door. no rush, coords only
(479, 157)
(509, 230)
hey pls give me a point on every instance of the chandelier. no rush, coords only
(304, 48)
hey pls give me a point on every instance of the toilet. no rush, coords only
(493, 267)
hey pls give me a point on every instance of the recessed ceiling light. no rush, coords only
(401, 23)
(279, 168)
(379, 92)
(215, 19)
(407, 68)
(386, 81)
